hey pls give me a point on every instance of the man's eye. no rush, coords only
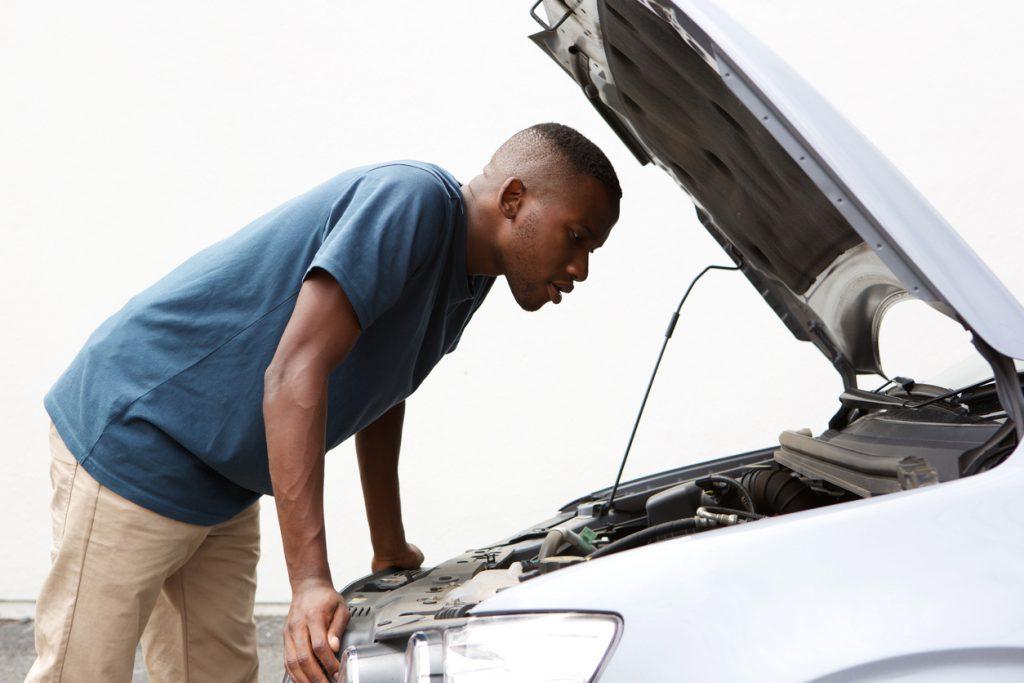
(574, 236)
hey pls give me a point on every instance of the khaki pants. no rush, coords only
(121, 572)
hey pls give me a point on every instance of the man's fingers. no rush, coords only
(338, 623)
(322, 649)
(307, 660)
(291, 662)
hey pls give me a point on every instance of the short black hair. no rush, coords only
(582, 155)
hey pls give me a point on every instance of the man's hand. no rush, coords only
(312, 635)
(409, 557)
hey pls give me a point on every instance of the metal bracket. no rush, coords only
(543, 24)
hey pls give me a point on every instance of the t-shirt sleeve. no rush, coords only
(392, 224)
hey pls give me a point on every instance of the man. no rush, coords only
(232, 376)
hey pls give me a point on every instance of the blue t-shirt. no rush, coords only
(163, 405)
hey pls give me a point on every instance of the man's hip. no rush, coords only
(117, 567)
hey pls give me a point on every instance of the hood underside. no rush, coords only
(829, 233)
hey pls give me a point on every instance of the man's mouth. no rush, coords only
(555, 292)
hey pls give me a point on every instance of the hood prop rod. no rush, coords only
(668, 335)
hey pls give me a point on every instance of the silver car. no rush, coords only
(887, 547)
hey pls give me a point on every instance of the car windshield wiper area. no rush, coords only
(881, 397)
(869, 400)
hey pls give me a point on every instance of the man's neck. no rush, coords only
(482, 255)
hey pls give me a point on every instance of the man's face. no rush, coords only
(551, 238)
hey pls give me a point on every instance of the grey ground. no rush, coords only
(17, 651)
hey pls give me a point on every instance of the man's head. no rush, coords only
(552, 198)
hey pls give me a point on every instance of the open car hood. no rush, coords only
(825, 228)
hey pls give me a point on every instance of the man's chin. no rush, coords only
(531, 307)
(530, 304)
(528, 299)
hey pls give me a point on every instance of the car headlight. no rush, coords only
(349, 666)
(566, 647)
(375, 663)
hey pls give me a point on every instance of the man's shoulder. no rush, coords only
(412, 176)
(402, 183)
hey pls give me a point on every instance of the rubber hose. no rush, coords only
(644, 535)
(550, 545)
(556, 537)
(776, 492)
(741, 491)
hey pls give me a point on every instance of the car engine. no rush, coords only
(879, 442)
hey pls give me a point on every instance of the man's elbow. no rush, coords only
(284, 383)
(273, 378)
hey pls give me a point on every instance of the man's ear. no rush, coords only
(510, 197)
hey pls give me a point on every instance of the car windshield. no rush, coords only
(918, 342)
(968, 370)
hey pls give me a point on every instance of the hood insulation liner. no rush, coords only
(755, 193)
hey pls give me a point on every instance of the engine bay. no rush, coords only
(878, 443)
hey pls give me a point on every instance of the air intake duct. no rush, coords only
(777, 492)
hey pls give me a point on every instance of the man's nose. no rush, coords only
(578, 268)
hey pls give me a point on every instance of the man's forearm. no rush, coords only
(321, 331)
(377, 448)
(294, 412)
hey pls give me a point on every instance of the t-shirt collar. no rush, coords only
(466, 286)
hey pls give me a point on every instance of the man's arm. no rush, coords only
(322, 330)
(377, 448)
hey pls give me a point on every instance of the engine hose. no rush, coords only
(741, 491)
(550, 544)
(556, 537)
(644, 535)
(714, 509)
(776, 492)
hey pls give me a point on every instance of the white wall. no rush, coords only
(133, 134)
